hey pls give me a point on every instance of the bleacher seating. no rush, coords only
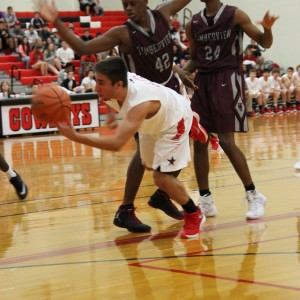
(95, 24)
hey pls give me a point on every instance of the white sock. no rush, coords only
(10, 173)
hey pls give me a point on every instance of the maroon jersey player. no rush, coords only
(215, 35)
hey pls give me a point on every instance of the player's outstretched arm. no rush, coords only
(265, 38)
(127, 128)
(170, 8)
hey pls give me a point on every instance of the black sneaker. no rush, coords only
(163, 202)
(20, 186)
(126, 218)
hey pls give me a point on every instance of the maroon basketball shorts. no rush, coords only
(220, 101)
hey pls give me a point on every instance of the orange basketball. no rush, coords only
(51, 104)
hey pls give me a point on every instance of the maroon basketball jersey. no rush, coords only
(151, 54)
(220, 44)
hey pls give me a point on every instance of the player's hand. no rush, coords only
(67, 129)
(46, 9)
(268, 20)
(187, 79)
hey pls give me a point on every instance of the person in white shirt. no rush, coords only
(296, 81)
(266, 91)
(89, 82)
(163, 119)
(65, 54)
(289, 89)
(253, 90)
(277, 89)
(31, 34)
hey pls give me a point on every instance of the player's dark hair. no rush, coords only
(290, 68)
(114, 68)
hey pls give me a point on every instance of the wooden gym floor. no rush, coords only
(61, 244)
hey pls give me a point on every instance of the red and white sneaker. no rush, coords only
(192, 224)
(215, 146)
(197, 132)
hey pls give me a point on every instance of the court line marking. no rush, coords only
(143, 186)
(147, 259)
(97, 246)
(217, 277)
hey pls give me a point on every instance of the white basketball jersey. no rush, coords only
(173, 108)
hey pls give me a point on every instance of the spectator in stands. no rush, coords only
(51, 58)
(34, 89)
(253, 91)
(256, 52)
(38, 42)
(277, 88)
(89, 82)
(37, 62)
(17, 33)
(44, 33)
(289, 88)
(249, 58)
(7, 45)
(175, 23)
(176, 37)
(1, 16)
(37, 21)
(266, 91)
(24, 51)
(56, 38)
(65, 54)
(5, 90)
(32, 34)
(88, 6)
(62, 74)
(86, 36)
(296, 82)
(87, 63)
(69, 83)
(98, 9)
(10, 17)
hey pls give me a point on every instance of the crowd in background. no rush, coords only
(270, 90)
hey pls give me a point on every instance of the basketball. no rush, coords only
(51, 104)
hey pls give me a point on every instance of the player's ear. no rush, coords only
(120, 84)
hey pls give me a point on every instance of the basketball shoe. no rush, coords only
(197, 132)
(215, 146)
(297, 165)
(126, 218)
(207, 205)
(162, 201)
(19, 185)
(256, 202)
(192, 224)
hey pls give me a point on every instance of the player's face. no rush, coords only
(104, 87)
(134, 8)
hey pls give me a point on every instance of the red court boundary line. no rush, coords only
(216, 277)
(79, 249)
